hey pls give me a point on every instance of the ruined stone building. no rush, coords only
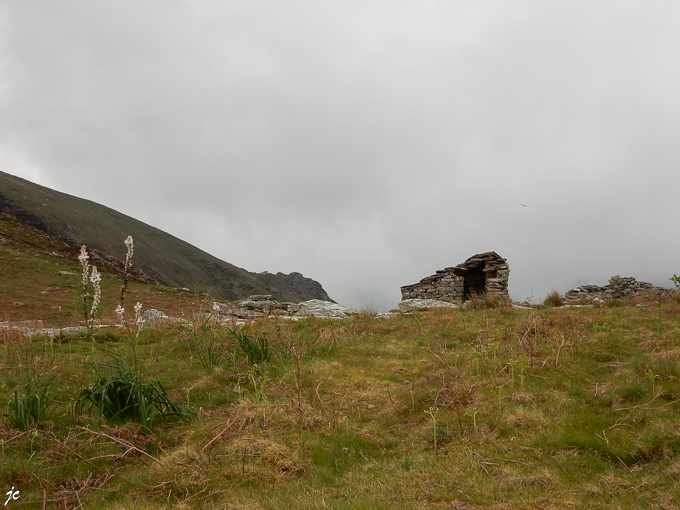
(618, 288)
(486, 273)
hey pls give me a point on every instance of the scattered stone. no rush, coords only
(618, 288)
(409, 305)
(485, 273)
(65, 273)
(18, 303)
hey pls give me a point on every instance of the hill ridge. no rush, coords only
(160, 256)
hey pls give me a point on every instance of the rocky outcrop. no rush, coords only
(618, 288)
(324, 309)
(302, 285)
(259, 306)
(254, 307)
(485, 273)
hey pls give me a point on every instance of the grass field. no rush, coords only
(499, 408)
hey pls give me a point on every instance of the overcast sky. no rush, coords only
(363, 143)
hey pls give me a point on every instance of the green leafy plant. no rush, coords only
(477, 356)
(520, 366)
(256, 348)
(432, 413)
(121, 395)
(676, 280)
(651, 377)
(473, 413)
(210, 353)
(31, 405)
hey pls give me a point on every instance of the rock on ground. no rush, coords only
(263, 306)
(325, 309)
(408, 305)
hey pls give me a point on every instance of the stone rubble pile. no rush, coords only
(618, 288)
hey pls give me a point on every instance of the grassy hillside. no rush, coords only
(487, 409)
(170, 261)
(40, 280)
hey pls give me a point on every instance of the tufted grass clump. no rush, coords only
(120, 395)
(255, 347)
(207, 346)
(31, 404)
(553, 299)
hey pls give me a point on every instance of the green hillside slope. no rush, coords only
(162, 257)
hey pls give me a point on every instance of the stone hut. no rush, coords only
(486, 273)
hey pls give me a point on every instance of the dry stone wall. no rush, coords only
(485, 273)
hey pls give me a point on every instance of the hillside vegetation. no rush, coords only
(40, 279)
(163, 258)
(477, 409)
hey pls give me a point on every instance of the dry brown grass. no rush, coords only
(341, 422)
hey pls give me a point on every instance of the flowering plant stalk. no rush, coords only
(83, 259)
(95, 278)
(128, 264)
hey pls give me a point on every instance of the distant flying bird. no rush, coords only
(520, 203)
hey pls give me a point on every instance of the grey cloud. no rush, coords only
(365, 144)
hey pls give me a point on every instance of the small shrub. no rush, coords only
(553, 299)
(676, 280)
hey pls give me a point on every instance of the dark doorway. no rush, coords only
(474, 282)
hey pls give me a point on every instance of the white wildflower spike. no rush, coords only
(120, 312)
(138, 313)
(95, 278)
(82, 258)
(128, 263)
(130, 250)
